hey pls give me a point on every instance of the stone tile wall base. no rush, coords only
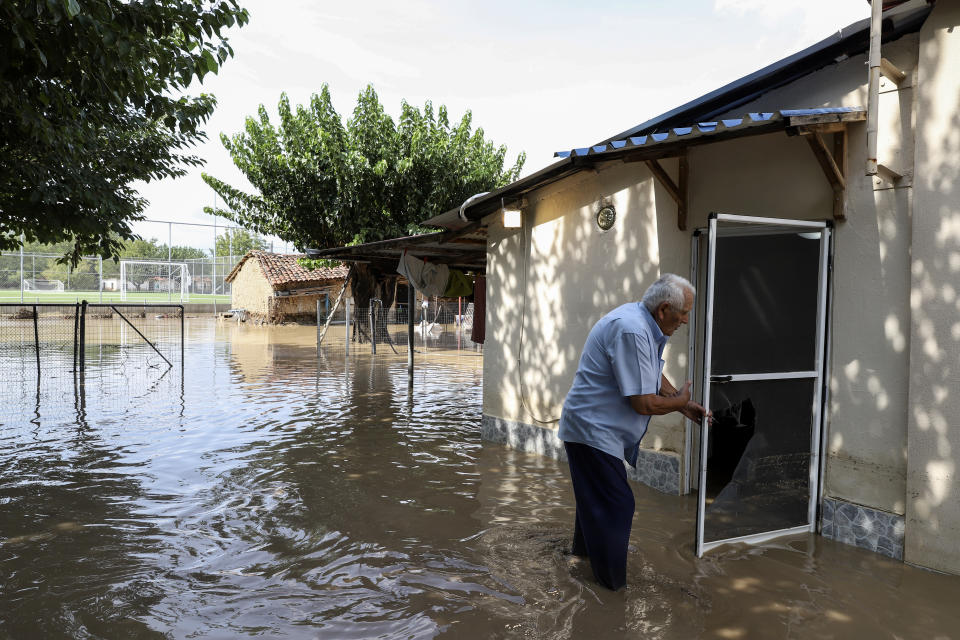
(657, 469)
(863, 527)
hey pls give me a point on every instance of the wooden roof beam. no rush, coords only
(892, 72)
(452, 235)
(677, 191)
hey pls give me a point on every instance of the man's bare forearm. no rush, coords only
(658, 405)
(666, 389)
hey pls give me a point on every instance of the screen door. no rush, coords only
(762, 377)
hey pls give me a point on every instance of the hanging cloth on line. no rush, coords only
(429, 278)
(478, 332)
(459, 285)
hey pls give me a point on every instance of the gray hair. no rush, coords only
(670, 288)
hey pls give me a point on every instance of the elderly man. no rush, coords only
(619, 384)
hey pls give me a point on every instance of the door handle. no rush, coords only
(721, 379)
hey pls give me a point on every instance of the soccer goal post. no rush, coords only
(41, 284)
(154, 279)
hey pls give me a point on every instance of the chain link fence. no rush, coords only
(40, 278)
(49, 351)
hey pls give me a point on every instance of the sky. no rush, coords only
(539, 76)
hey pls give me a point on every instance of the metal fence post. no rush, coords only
(36, 338)
(83, 333)
(183, 339)
(21, 268)
(100, 287)
(76, 330)
(373, 329)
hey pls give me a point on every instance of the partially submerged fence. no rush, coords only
(439, 326)
(41, 345)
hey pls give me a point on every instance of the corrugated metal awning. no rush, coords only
(746, 125)
(656, 146)
(461, 250)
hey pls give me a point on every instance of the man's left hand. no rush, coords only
(696, 412)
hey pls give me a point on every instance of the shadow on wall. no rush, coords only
(933, 521)
(560, 275)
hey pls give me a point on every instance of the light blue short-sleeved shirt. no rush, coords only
(623, 357)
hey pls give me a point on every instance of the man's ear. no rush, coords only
(662, 309)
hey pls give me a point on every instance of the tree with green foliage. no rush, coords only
(91, 100)
(237, 242)
(322, 183)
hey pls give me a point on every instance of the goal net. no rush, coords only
(41, 284)
(151, 280)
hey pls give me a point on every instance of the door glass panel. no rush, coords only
(758, 457)
(765, 319)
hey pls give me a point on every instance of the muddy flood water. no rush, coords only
(277, 494)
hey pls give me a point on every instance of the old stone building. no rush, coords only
(275, 288)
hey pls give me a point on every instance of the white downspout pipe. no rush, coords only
(468, 202)
(873, 88)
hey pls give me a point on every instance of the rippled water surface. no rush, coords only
(274, 493)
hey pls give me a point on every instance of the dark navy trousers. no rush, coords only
(605, 509)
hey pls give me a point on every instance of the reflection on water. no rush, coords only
(275, 493)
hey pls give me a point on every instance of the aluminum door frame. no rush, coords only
(819, 363)
(688, 424)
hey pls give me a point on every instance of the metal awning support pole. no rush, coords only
(347, 326)
(873, 89)
(411, 301)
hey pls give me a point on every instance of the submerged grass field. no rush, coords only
(70, 297)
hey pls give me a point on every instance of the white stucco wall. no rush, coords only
(867, 424)
(575, 273)
(933, 442)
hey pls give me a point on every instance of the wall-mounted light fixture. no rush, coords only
(606, 214)
(512, 214)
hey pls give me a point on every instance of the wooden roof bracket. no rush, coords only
(679, 190)
(453, 234)
(892, 72)
(832, 162)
